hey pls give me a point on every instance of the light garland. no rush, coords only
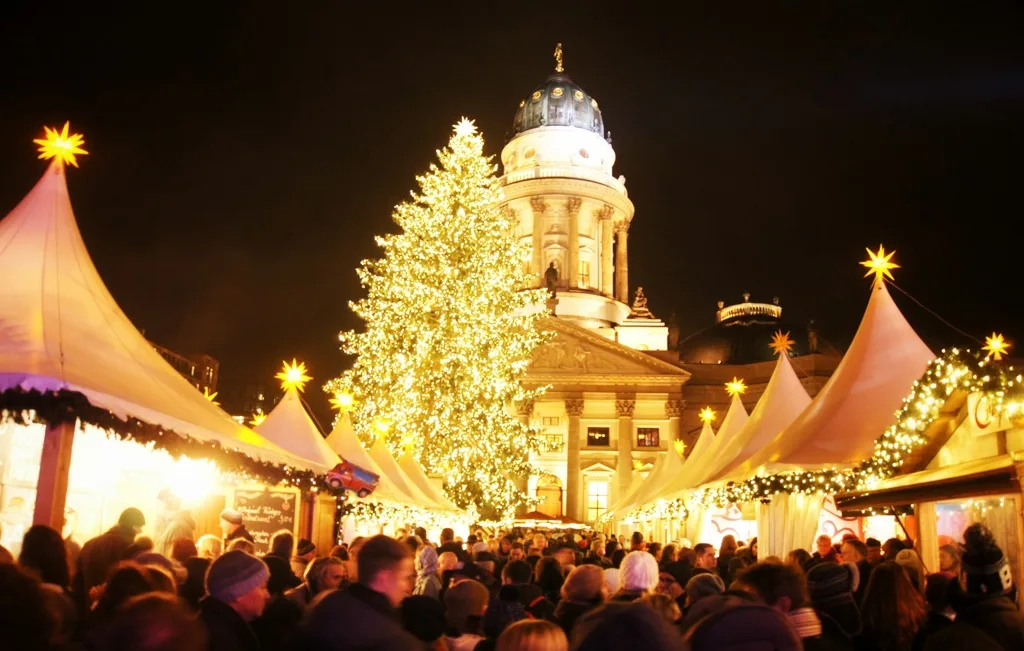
(449, 333)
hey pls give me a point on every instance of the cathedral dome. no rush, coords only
(559, 102)
(742, 335)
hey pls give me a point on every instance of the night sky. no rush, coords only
(244, 154)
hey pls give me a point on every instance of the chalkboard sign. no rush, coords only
(265, 512)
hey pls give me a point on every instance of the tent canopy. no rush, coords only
(839, 427)
(782, 401)
(289, 425)
(386, 462)
(668, 467)
(60, 329)
(345, 443)
(413, 470)
(696, 460)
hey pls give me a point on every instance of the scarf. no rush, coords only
(805, 621)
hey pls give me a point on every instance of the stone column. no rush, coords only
(674, 410)
(525, 411)
(538, 206)
(625, 403)
(621, 262)
(604, 217)
(572, 207)
(574, 409)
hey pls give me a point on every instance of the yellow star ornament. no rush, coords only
(996, 346)
(781, 343)
(736, 388)
(465, 127)
(60, 145)
(708, 415)
(880, 263)
(293, 376)
(212, 397)
(258, 418)
(342, 401)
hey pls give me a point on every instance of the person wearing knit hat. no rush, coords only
(751, 627)
(232, 526)
(236, 587)
(305, 551)
(638, 575)
(584, 589)
(703, 585)
(503, 611)
(984, 599)
(831, 587)
(911, 562)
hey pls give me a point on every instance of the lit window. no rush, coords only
(597, 499)
(550, 421)
(584, 281)
(598, 436)
(647, 437)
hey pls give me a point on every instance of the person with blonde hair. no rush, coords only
(209, 546)
(533, 635)
(664, 605)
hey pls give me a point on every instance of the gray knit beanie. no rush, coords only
(234, 574)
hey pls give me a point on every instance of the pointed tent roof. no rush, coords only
(413, 470)
(60, 329)
(839, 427)
(631, 490)
(289, 426)
(345, 443)
(668, 467)
(693, 473)
(690, 464)
(386, 462)
(782, 401)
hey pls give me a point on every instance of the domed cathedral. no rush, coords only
(737, 344)
(619, 395)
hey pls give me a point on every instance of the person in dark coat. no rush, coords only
(103, 552)
(519, 574)
(830, 587)
(986, 615)
(448, 544)
(279, 563)
(584, 589)
(233, 528)
(940, 612)
(236, 587)
(365, 615)
(856, 552)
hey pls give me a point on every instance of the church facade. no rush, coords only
(623, 390)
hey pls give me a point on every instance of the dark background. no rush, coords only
(244, 154)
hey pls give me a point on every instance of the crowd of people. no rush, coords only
(513, 591)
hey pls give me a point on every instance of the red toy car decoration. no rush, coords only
(351, 477)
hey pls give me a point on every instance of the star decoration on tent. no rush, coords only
(212, 397)
(381, 426)
(781, 343)
(736, 388)
(880, 264)
(465, 127)
(293, 376)
(996, 346)
(258, 418)
(342, 401)
(60, 145)
(680, 446)
(708, 415)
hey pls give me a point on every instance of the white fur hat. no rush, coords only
(638, 572)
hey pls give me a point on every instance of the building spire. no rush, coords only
(558, 59)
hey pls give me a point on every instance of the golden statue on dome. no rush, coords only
(558, 59)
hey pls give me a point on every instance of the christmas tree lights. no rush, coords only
(449, 333)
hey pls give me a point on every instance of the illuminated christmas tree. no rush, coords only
(449, 332)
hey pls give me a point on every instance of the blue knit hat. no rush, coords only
(234, 574)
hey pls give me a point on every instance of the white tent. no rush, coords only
(782, 401)
(839, 427)
(413, 470)
(60, 329)
(386, 462)
(290, 426)
(668, 466)
(344, 441)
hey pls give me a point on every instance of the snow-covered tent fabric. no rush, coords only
(344, 441)
(839, 427)
(782, 401)
(289, 425)
(60, 329)
(413, 470)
